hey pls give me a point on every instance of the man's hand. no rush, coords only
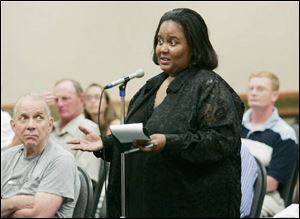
(92, 141)
(49, 98)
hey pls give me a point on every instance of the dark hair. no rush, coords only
(196, 33)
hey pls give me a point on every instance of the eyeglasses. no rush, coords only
(90, 97)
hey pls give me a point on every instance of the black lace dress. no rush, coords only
(198, 172)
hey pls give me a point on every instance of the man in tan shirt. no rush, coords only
(68, 98)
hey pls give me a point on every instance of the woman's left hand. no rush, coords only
(158, 141)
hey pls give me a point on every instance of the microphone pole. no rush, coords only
(122, 94)
(138, 74)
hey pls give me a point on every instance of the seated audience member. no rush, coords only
(38, 178)
(107, 117)
(69, 99)
(91, 106)
(7, 133)
(248, 178)
(269, 137)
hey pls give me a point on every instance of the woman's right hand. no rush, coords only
(92, 141)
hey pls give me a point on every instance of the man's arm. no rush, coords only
(10, 205)
(45, 206)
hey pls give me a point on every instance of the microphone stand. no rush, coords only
(122, 94)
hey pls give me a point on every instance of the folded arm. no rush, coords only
(11, 205)
(41, 205)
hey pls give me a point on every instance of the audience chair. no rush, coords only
(83, 206)
(260, 188)
(104, 167)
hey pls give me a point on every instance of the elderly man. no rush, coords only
(38, 177)
(68, 98)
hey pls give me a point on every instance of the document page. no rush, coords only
(127, 133)
(292, 211)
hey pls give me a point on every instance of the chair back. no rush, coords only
(260, 188)
(286, 190)
(83, 206)
(103, 171)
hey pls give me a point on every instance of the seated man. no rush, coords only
(68, 99)
(269, 137)
(38, 178)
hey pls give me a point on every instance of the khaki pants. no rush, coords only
(272, 204)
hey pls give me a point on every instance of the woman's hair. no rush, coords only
(109, 114)
(196, 33)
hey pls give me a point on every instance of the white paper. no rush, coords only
(291, 211)
(127, 133)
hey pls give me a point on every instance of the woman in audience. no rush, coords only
(91, 106)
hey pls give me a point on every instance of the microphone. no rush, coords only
(137, 74)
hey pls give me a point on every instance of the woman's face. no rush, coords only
(92, 98)
(172, 50)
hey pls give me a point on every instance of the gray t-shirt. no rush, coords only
(52, 171)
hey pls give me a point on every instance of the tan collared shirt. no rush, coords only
(86, 160)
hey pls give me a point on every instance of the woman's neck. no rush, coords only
(94, 117)
(175, 74)
(170, 79)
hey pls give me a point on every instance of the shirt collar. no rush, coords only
(71, 127)
(273, 119)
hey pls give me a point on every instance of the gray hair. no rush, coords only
(32, 96)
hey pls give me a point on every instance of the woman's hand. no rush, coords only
(92, 141)
(158, 141)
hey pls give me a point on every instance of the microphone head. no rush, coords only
(139, 73)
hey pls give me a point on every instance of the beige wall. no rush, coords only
(42, 42)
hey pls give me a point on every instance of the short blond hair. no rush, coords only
(267, 74)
